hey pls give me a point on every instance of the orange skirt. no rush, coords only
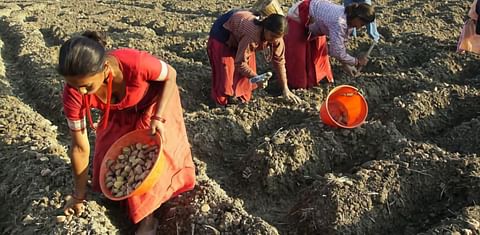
(180, 175)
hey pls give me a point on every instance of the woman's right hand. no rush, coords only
(362, 60)
(350, 70)
(288, 95)
(74, 206)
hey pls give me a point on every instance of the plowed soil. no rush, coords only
(268, 167)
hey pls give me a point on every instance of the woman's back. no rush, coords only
(241, 26)
(327, 14)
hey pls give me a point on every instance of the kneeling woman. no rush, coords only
(134, 90)
(234, 38)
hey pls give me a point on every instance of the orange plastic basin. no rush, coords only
(142, 136)
(344, 107)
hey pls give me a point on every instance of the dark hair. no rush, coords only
(82, 55)
(363, 11)
(275, 23)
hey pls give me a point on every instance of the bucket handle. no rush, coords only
(350, 94)
(332, 85)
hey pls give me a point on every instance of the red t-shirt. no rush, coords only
(139, 68)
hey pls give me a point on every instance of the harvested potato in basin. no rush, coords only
(127, 172)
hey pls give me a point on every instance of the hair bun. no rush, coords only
(96, 36)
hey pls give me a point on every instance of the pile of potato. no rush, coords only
(131, 167)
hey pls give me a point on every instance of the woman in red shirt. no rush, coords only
(134, 90)
(234, 39)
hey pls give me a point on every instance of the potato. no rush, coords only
(138, 170)
(148, 164)
(132, 166)
(135, 162)
(151, 149)
(126, 150)
(110, 162)
(119, 166)
(131, 179)
(118, 184)
(110, 179)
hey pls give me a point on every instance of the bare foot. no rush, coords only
(147, 226)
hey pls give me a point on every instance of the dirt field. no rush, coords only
(269, 167)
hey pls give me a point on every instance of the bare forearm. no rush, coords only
(245, 70)
(245, 50)
(79, 159)
(164, 97)
(282, 75)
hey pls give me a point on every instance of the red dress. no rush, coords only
(226, 80)
(307, 59)
(140, 70)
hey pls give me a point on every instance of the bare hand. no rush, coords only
(73, 206)
(362, 60)
(263, 85)
(350, 70)
(158, 126)
(288, 95)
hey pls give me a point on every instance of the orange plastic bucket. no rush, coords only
(138, 136)
(345, 107)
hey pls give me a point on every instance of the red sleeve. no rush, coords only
(73, 108)
(152, 68)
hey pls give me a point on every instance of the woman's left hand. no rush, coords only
(158, 126)
(74, 206)
(287, 94)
